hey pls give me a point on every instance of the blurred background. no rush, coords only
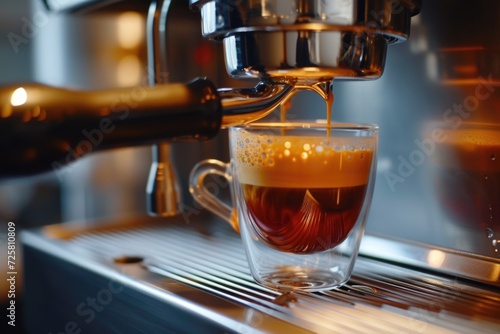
(15, 195)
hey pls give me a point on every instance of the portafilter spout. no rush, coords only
(245, 105)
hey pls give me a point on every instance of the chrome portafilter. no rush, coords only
(312, 40)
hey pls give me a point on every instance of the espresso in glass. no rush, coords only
(303, 194)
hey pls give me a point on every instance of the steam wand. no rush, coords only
(162, 190)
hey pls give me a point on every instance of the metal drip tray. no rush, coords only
(160, 277)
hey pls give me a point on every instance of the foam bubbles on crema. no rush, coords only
(281, 160)
(262, 150)
(252, 151)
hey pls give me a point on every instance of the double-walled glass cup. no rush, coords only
(301, 192)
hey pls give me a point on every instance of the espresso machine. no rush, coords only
(425, 264)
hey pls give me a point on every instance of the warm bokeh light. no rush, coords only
(128, 71)
(130, 30)
(19, 97)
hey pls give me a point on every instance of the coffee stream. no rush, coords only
(307, 218)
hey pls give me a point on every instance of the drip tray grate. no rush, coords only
(380, 296)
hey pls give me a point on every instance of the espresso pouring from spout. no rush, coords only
(278, 43)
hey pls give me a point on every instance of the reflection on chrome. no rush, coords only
(435, 258)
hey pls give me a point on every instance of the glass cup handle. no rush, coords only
(204, 197)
